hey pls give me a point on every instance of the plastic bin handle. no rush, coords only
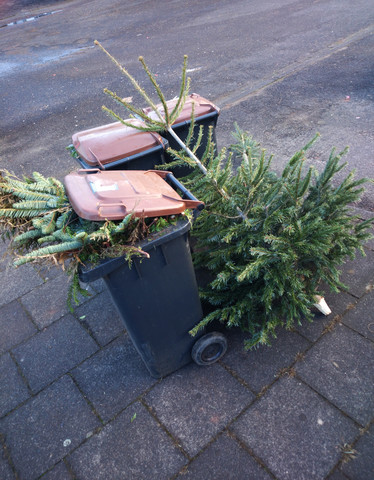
(104, 205)
(186, 193)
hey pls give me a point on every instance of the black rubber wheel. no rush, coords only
(209, 348)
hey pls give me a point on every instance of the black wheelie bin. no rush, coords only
(156, 297)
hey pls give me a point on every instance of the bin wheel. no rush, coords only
(209, 348)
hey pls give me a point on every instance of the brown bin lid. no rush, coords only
(107, 143)
(202, 107)
(111, 195)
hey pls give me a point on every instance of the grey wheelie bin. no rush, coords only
(156, 297)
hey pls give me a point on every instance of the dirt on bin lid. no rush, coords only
(108, 143)
(111, 195)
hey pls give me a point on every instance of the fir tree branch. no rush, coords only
(132, 80)
(158, 90)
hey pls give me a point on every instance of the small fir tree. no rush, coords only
(267, 268)
(268, 240)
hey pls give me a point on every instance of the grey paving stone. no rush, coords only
(224, 459)
(361, 318)
(313, 330)
(340, 367)
(102, 318)
(54, 351)
(259, 367)
(358, 274)
(294, 431)
(13, 389)
(47, 427)
(133, 446)
(48, 302)
(6, 473)
(15, 325)
(47, 272)
(195, 403)
(98, 286)
(59, 472)
(338, 303)
(17, 281)
(114, 377)
(362, 467)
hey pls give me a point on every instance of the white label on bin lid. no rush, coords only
(98, 187)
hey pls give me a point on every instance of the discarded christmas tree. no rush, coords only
(268, 240)
(269, 267)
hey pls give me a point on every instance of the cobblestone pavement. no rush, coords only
(76, 400)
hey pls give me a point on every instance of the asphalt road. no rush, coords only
(282, 69)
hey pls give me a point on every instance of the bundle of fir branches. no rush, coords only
(268, 239)
(37, 217)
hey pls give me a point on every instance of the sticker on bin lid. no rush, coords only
(98, 187)
(202, 106)
(111, 195)
(108, 143)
